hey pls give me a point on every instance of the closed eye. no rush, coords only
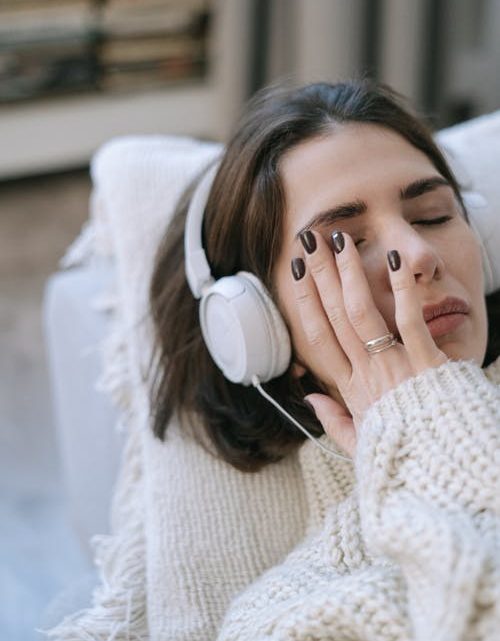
(429, 221)
(433, 221)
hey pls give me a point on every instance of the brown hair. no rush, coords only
(243, 225)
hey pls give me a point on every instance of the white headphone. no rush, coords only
(242, 327)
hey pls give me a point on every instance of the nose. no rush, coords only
(419, 253)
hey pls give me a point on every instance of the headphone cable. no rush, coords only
(256, 383)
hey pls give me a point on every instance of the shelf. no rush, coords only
(61, 133)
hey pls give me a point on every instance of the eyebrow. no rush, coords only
(357, 207)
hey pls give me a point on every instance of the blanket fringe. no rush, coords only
(118, 612)
(114, 379)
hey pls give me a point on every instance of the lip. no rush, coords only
(446, 316)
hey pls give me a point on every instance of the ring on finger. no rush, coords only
(381, 343)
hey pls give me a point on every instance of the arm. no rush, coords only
(428, 468)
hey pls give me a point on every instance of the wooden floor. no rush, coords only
(39, 554)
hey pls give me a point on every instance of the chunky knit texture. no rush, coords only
(405, 545)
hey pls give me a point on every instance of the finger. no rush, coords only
(361, 310)
(332, 364)
(323, 269)
(422, 350)
(336, 421)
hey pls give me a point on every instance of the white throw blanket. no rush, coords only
(182, 546)
(169, 569)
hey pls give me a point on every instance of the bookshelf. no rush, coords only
(61, 131)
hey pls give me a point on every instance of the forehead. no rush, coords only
(355, 162)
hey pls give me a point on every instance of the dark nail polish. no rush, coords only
(394, 260)
(298, 268)
(338, 241)
(309, 406)
(308, 241)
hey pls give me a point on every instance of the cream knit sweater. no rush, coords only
(405, 544)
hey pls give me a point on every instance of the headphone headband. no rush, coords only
(198, 272)
(241, 326)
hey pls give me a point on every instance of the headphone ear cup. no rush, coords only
(243, 329)
(279, 342)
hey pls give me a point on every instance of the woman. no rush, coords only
(337, 199)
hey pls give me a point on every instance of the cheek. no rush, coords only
(464, 261)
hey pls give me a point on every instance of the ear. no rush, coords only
(298, 370)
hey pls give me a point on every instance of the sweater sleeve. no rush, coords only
(428, 472)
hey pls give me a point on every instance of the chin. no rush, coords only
(457, 351)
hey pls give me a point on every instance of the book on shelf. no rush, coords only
(33, 73)
(128, 18)
(35, 19)
(22, 5)
(126, 50)
(167, 73)
(50, 47)
(159, 5)
(153, 43)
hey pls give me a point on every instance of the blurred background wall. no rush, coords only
(75, 73)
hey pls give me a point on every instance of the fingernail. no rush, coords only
(298, 268)
(308, 241)
(394, 259)
(338, 241)
(309, 405)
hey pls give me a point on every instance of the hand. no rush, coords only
(338, 316)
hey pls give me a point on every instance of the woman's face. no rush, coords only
(387, 195)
